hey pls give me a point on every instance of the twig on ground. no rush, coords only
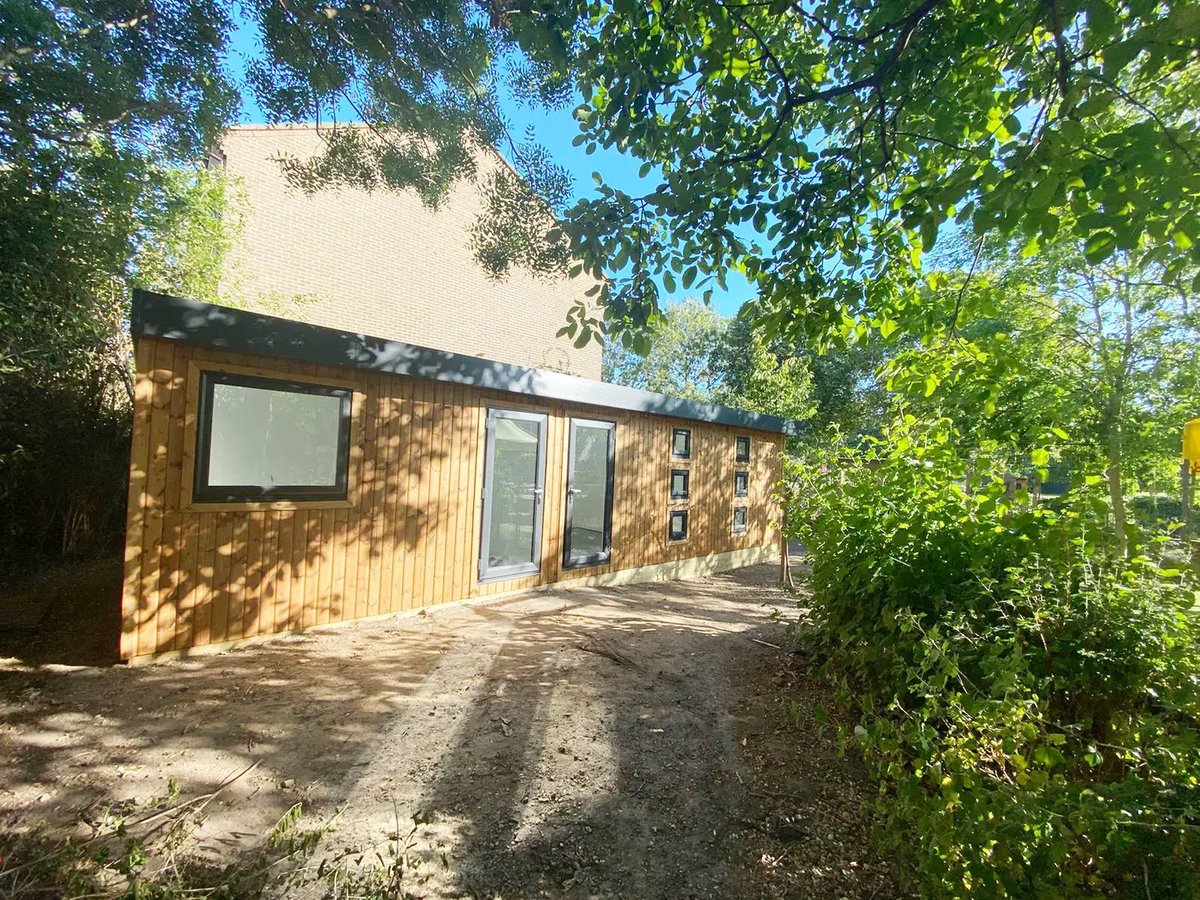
(594, 646)
(766, 644)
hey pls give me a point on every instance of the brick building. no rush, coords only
(383, 264)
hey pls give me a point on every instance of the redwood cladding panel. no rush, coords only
(409, 535)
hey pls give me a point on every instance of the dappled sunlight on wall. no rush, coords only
(408, 535)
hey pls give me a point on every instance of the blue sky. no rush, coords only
(553, 129)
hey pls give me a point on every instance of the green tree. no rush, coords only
(681, 358)
(820, 148)
(754, 374)
(106, 109)
(1046, 352)
(697, 354)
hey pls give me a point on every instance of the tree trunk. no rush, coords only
(1116, 492)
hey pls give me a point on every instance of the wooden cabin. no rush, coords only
(285, 476)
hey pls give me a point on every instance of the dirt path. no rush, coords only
(619, 742)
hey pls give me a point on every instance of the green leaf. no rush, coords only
(929, 232)
(1100, 246)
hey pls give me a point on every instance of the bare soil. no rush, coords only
(575, 743)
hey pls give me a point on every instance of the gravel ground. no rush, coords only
(584, 742)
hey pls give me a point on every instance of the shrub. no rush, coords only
(1030, 702)
(64, 459)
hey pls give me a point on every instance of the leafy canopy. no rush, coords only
(822, 148)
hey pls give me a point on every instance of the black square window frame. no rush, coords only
(741, 452)
(677, 525)
(687, 478)
(741, 483)
(741, 519)
(203, 492)
(687, 443)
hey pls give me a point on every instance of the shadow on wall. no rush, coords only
(210, 577)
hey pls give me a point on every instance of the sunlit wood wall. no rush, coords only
(409, 536)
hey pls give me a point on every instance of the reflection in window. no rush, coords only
(742, 451)
(514, 484)
(740, 518)
(263, 438)
(678, 528)
(741, 483)
(681, 443)
(590, 493)
(679, 484)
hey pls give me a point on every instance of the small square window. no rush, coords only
(681, 443)
(742, 448)
(741, 483)
(679, 484)
(741, 515)
(678, 528)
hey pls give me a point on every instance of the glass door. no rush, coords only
(588, 539)
(513, 488)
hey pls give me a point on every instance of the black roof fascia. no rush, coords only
(191, 321)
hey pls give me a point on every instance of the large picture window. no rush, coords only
(267, 439)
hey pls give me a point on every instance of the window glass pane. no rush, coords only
(589, 498)
(514, 500)
(678, 526)
(681, 442)
(679, 483)
(741, 484)
(739, 518)
(267, 438)
(743, 448)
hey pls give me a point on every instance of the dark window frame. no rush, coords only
(687, 451)
(571, 561)
(687, 484)
(683, 536)
(745, 511)
(741, 475)
(738, 442)
(203, 492)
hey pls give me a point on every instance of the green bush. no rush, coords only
(64, 461)
(1030, 702)
(1155, 510)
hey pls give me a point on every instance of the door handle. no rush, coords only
(574, 491)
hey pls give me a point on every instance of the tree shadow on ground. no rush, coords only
(605, 742)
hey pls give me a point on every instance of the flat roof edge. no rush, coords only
(171, 318)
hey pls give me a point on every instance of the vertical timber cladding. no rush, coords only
(408, 535)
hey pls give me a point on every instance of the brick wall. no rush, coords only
(383, 264)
